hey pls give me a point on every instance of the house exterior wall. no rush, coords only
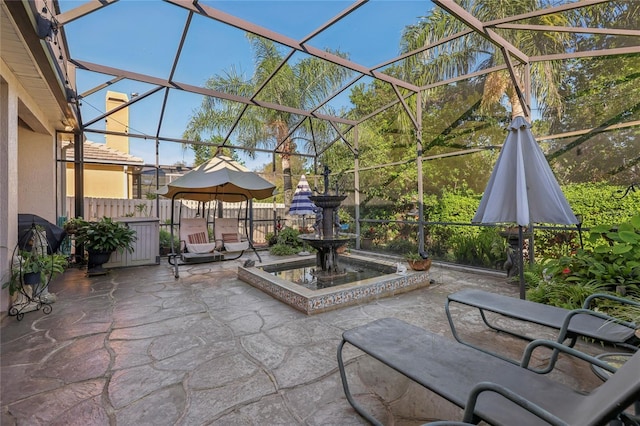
(8, 183)
(36, 174)
(101, 181)
(27, 167)
(117, 122)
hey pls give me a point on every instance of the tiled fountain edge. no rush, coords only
(317, 301)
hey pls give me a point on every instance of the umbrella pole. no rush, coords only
(521, 263)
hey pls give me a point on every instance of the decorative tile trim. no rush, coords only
(313, 302)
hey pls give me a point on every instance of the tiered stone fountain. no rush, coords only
(327, 239)
(332, 286)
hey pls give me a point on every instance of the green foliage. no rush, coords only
(486, 248)
(413, 255)
(600, 92)
(289, 236)
(373, 231)
(165, 239)
(106, 236)
(46, 265)
(402, 246)
(35, 260)
(344, 216)
(287, 243)
(601, 203)
(279, 249)
(550, 244)
(613, 265)
(564, 296)
(464, 244)
(72, 224)
(142, 209)
(294, 84)
(271, 238)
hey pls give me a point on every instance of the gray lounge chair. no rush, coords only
(487, 387)
(570, 324)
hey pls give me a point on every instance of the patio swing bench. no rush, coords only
(195, 246)
(570, 324)
(489, 388)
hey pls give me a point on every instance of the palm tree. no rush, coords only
(469, 52)
(302, 85)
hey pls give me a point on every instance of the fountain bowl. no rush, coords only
(389, 283)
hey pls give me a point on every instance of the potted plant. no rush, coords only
(165, 242)
(32, 268)
(100, 239)
(418, 262)
(71, 225)
(31, 273)
(369, 234)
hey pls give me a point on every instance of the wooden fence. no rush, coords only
(263, 215)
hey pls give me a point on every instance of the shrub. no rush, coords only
(613, 262)
(165, 240)
(487, 248)
(271, 238)
(402, 246)
(282, 250)
(287, 243)
(613, 265)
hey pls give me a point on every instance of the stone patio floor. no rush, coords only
(138, 347)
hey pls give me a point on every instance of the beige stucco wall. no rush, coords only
(117, 122)
(8, 183)
(36, 174)
(27, 168)
(102, 181)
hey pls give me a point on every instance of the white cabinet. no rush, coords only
(146, 249)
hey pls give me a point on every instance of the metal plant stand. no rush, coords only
(31, 287)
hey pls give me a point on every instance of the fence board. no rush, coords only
(95, 208)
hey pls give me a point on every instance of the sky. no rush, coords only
(143, 36)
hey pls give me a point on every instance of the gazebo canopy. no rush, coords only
(222, 179)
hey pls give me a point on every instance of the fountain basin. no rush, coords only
(325, 299)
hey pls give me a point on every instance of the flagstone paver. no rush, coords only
(138, 347)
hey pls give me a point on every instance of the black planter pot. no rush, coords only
(31, 278)
(95, 262)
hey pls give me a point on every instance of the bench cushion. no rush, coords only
(198, 238)
(230, 238)
(201, 248)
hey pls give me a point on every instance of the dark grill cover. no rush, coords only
(55, 234)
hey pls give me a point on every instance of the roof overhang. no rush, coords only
(37, 68)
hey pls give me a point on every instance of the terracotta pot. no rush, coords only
(420, 265)
(366, 243)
